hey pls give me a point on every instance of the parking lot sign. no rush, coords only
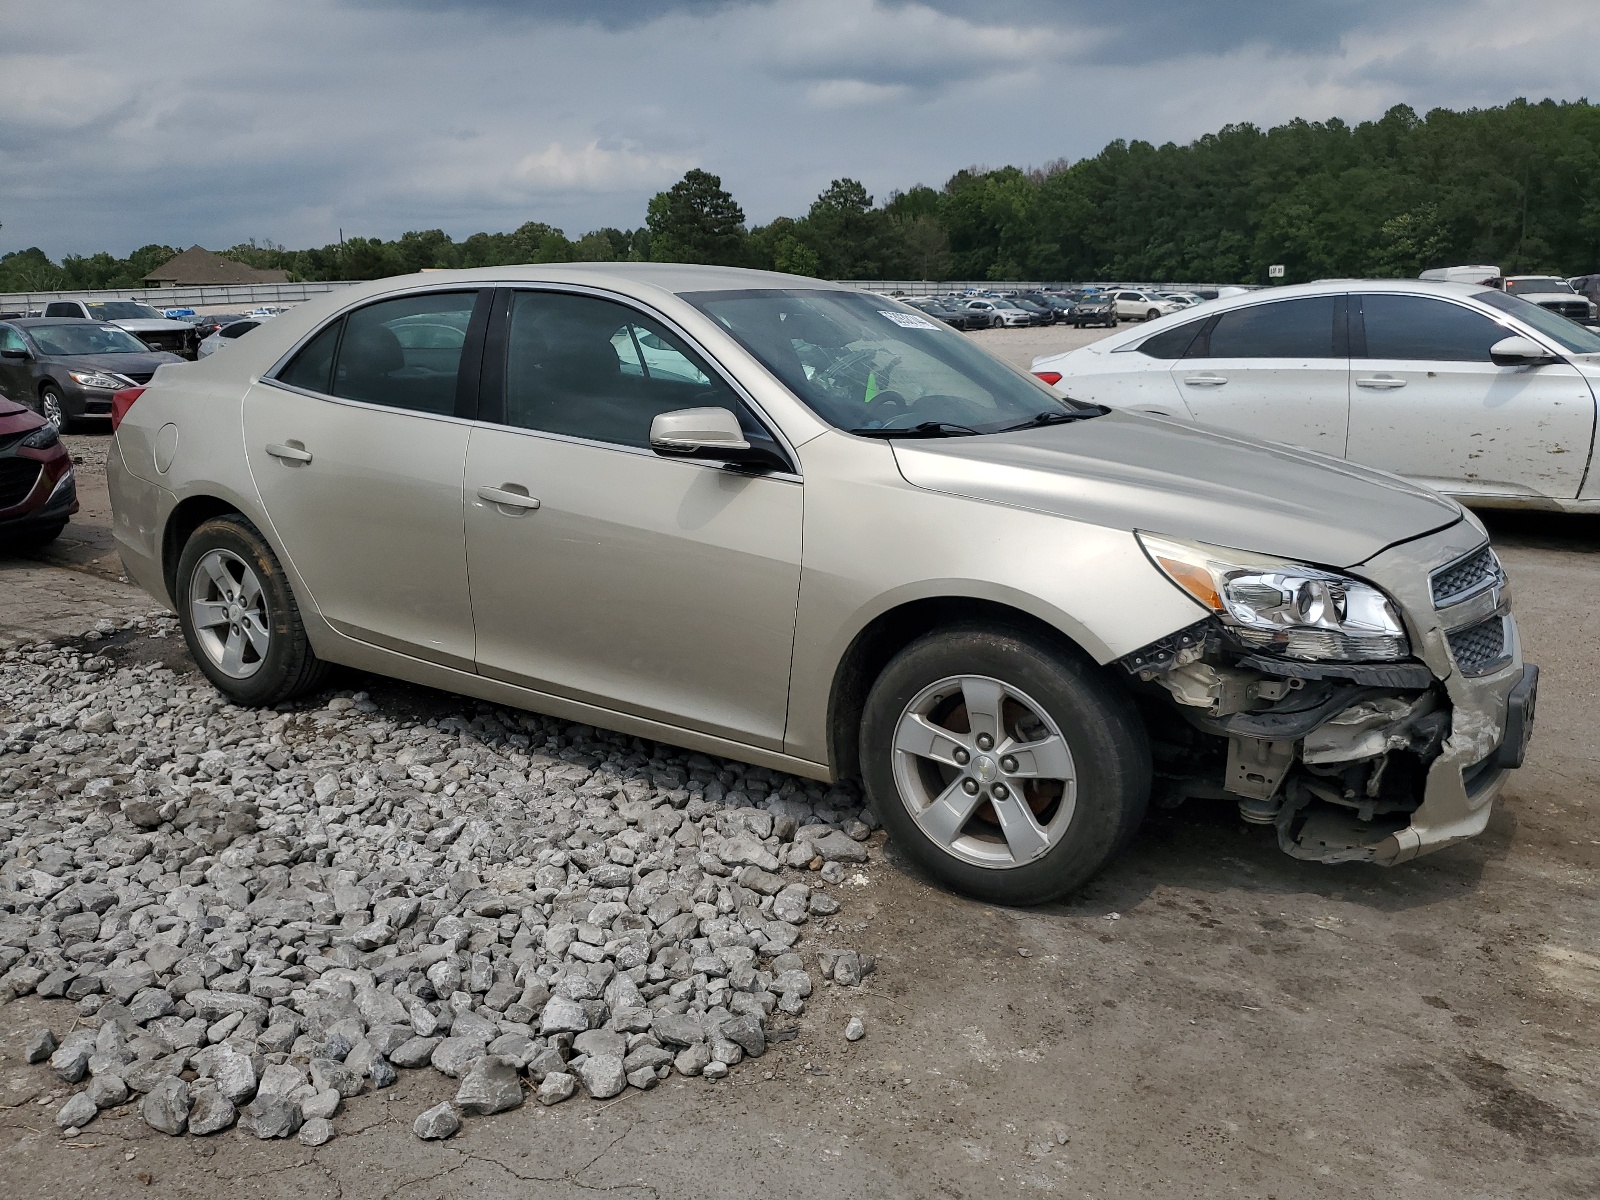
(1275, 271)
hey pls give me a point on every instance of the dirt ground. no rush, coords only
(1210, 1018)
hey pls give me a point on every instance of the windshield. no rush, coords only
(121, 310)
(1537, 283)
(1571, 335)
(85, 339)
(861, 362)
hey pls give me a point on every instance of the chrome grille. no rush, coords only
(1479, 649)
(17, 477)
(1476, 571)
(138, 376)
(1577, 310)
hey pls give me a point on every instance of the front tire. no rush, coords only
(239, 617)
(1003, 763)
(53, 409)
(1152, 314)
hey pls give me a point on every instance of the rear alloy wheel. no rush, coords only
(53, 410)
(1003, 764)
(239, 616)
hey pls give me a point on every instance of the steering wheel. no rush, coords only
(888, 404)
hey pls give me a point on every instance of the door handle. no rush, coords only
(289, 453)
(1381, 383)
(1206, 380)
(506, 497)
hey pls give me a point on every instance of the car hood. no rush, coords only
(117, 364)
(1131, 471)
(150, 325)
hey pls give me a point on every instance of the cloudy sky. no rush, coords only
(136, 122)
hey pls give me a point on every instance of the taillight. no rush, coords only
(122, 401)
(1050, 377)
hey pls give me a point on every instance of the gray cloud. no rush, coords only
(295, 119)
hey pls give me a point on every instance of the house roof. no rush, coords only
(198, 267)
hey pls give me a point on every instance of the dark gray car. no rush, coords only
(68, 368)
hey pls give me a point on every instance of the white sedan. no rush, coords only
(1144, 306)
(224, 336)
(1001, 312)
(1480, 395)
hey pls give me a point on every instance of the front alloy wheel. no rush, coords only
(52, 409)
(1003, 761)
(229, 612)
(985, 771)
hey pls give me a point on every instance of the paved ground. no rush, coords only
(1210, 1018)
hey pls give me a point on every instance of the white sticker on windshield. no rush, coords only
(906, 320)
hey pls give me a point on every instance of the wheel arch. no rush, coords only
(186, 516)
(891, 631)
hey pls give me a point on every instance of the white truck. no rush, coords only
(144, 322)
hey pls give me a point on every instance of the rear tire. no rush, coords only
(239, 617)
(1034, 813)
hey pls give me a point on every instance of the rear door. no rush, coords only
(1427, 403)
(603, 572)
(357, 450)
(1278, 371)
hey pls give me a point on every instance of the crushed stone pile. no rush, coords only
(251, 916)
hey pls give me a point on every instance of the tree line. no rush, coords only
(1517, 186)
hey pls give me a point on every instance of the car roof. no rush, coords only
(37, 322)
(668, 277)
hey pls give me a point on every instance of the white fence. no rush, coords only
(234, 294)
(251, 294)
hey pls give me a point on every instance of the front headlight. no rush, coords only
(42, 438)
(101, 379)
(1283, 607)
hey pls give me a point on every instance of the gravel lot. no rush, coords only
(1210, 1017)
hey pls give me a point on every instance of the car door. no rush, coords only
(602, 572)
(1278, 371)
(1427, 402)
(357, 448)
(16, 375)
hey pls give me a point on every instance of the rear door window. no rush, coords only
(62, 309)
(312, 368)
(1301, 328)
(405, 353)
(1173, 343)
(1421, 328)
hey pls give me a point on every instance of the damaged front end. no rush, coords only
(1368, 715)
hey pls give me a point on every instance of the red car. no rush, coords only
(38, 491)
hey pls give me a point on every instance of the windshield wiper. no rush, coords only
(928, 429)
(1056, 416)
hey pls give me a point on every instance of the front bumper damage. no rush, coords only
(1355, 762)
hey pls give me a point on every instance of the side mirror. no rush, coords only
(17, 354)
(1517, 351)
(698, 433)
